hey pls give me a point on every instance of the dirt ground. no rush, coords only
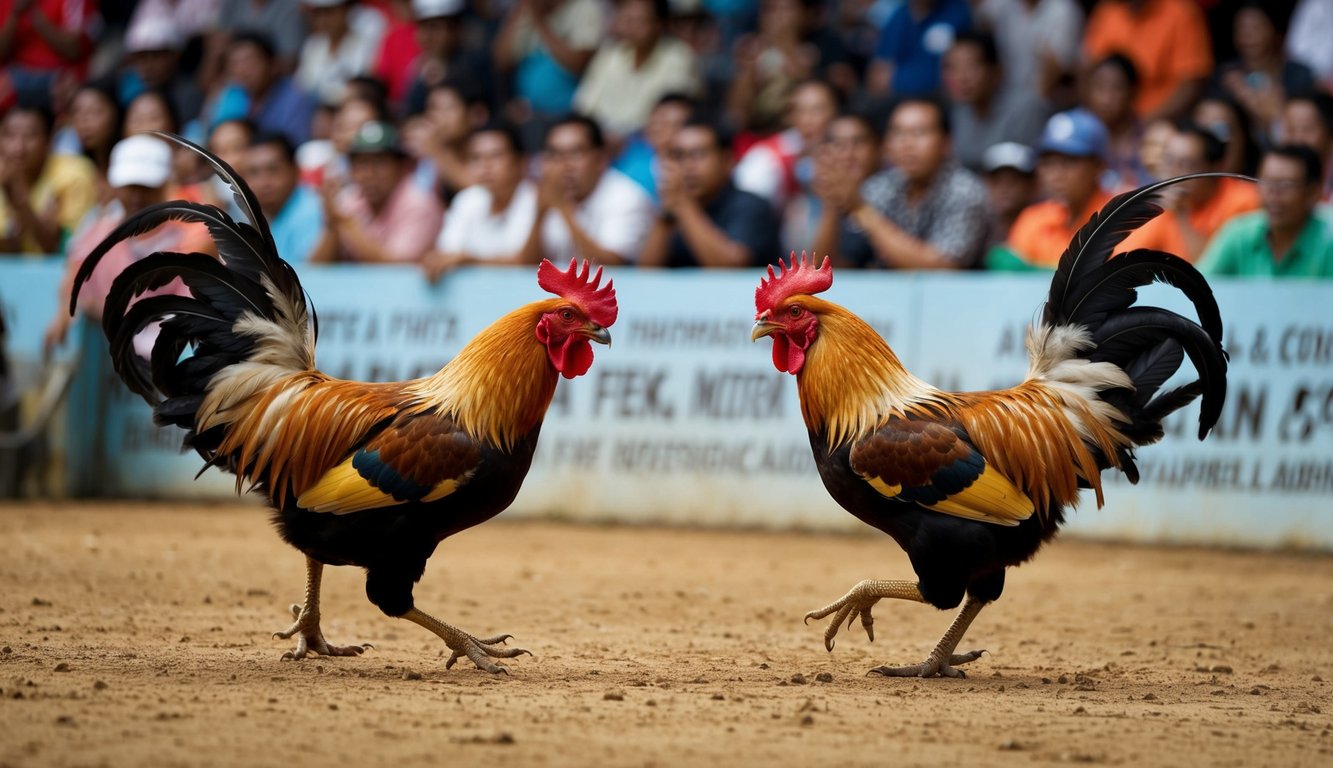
(136, 635)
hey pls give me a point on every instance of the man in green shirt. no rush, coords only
(1292, 236)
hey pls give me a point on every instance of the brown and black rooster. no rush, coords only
(371, 475)
(971, 483)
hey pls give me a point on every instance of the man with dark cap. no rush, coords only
(383, 216)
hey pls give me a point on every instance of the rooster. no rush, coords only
(971, 483)
(371, 475)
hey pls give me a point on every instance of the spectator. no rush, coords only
(1010, 174)
(152, 59)
(490, 221)
(282, 20)
(1260, 79)
(1038, 42)
(1168, 42)
(768, 65)
(1225, 118)
(635, 68)
(343, 42)
(151, 110)
(983, 112)
(1151, 146)
(1308, 119)
(383, 217)
(229, 140)
(453, 110)
(41, 40)
(1109, 94)
(585, 209)
(93, 128)
(441, 57)
(258, 90)
(641, 158)
(1292, 236)
(1070, 162)
(848, 155)
(781, 167)
(42, 196)
(907, 56)
(833, 61)
(926, 211)
(294, 212)
(1307, 39)
(1193, 210)
(705, 220)
(325, 160)
(399, 50)
(139, 175)
(547, 44)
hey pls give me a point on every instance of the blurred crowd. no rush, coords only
(891, 134)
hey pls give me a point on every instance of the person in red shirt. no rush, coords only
(42, 39)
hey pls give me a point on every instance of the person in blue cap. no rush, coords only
(1072, 157)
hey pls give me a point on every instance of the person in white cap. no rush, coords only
(138, 175)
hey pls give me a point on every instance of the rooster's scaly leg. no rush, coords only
(943, 661)
(309, 637)
(462, 644)
(858, 601)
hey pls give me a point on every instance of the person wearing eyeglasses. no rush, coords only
(1193, 210)
(1291, 236)
(585, 209)
(705, 221)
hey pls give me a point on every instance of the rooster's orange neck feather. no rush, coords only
(500, 384)
(852, 382)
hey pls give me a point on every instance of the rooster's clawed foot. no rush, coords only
(479, 649)
(857, 604)
(931, 667)
(310, 639)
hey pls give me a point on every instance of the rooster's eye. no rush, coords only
(795, 311)
(566, 315)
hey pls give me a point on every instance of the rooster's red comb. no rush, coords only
(599, 304)
(800, 278)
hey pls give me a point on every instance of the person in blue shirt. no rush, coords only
(911, 44)
(294, 212)
(258, 91)
(641, 158)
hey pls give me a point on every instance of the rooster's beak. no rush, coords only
(597, 333)
(763, 328)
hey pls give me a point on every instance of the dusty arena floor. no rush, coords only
(139, 635)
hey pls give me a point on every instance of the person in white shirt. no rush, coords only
(489, 222)
(343, 42)
(585, 209)
(635, 68)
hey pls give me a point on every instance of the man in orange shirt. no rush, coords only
(1168, 42)
(1194, 210)
(1072, 157)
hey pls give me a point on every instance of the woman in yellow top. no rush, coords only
(42, 196)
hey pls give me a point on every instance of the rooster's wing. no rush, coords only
(935, 465)
(419, 457)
